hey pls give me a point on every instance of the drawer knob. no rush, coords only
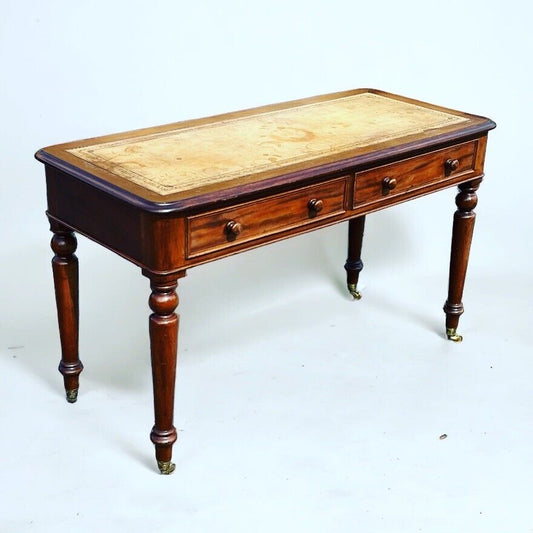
(452, 164)
(315, 205)
(389, 184)
(233, 228)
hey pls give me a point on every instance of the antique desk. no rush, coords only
(176, 196)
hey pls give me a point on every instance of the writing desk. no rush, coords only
(176, 196)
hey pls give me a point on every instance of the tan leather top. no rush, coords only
(186, 158)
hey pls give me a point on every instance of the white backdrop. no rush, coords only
(71, 70)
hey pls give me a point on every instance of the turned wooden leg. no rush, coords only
(354, 265)
(164, 344)
(65, 269)
(463, 227)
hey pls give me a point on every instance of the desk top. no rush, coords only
(186, 162)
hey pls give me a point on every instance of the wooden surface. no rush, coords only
(190, 159)
(173, 197)
(260, 218)
(414, 172)
(65, 270)
(178, 239)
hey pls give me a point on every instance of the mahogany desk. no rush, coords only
(176, 196)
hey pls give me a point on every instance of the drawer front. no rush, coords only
(414, 173)
(245, 222)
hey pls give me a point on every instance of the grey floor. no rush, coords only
(297, 408)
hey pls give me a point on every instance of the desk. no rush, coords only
(176, 196)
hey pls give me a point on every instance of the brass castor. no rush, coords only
(452, 335)
(72, 395)
(352, 288)
(166, 467)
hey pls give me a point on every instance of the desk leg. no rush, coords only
(463, 227)
(354, 265)
(65, 269)
(164, 344)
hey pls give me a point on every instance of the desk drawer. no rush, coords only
(245, 222)
(414, 173)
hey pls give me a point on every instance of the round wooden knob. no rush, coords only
(452, 164)
(315, 205)
(233, 228)
(389, 183)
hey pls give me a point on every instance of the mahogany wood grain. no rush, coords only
(65, 270)
(165, 235)
(209, 232)
(463, 228)
(395, 179)
(163, 328)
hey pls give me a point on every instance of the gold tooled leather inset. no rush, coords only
(191, 157)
